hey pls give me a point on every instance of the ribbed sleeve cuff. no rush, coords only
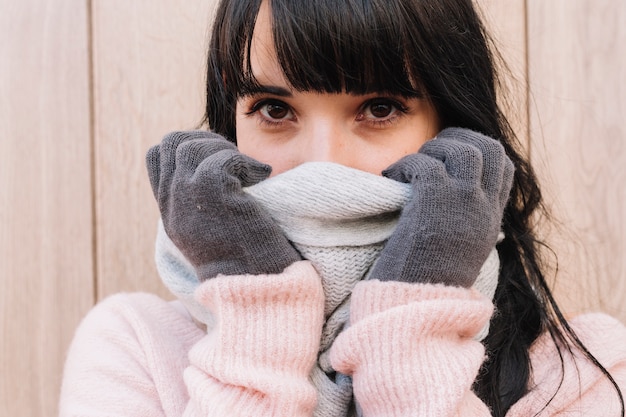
(264, 343)
(374, 297)
(409, 347)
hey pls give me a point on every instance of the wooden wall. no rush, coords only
(86, 87)
(577, 72)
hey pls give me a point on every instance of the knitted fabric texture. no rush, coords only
(339, 219)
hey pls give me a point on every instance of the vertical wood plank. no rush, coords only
(46, 269)
(149, 65)
(506, 23)
(577, 70)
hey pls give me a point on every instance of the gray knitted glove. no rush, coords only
(461, 182)
(197, 179)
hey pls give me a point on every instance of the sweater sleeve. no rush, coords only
(127, 359)
(410, 349)
(257, 359)
(137, 355)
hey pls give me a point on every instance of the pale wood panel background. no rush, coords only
(506, 21)
(46, 254)
(577, 72)
(77, 218)
(149, 65)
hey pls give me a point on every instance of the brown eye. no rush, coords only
(381, 110)
(275, 110)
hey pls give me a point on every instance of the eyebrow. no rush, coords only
(268, 89)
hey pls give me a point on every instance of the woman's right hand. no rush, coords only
(461, 182)
(197, 179)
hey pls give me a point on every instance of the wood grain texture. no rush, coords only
(577, 70)
(149, 64)
(506, 23)
(46, 262)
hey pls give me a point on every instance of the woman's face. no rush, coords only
(284, 128)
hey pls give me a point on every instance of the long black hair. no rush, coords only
(439, 49)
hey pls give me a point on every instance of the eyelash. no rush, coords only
(397, 105)
(389, 120)
(257, 106)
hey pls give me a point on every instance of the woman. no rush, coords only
(357, 89)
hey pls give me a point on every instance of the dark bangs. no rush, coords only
(327, 46)
(352, 46)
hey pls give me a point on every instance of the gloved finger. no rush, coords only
(193, 152)
(463, 161)
(244, 170)
(508, 177)
(497, 166)
(416, 167)
(226, 168)
(171, 144)
(153, 164)
(161, 161)
(248, 170)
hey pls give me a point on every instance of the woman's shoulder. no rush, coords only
(130, 307)
(601, 330)
(566, 379)
(605, 338)
(137, 318)
(130, 345)
(602, 335)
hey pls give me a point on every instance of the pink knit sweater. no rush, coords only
(409, 349)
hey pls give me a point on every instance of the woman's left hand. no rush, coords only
(461, 182)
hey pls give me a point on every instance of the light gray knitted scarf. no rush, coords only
(338, 218)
